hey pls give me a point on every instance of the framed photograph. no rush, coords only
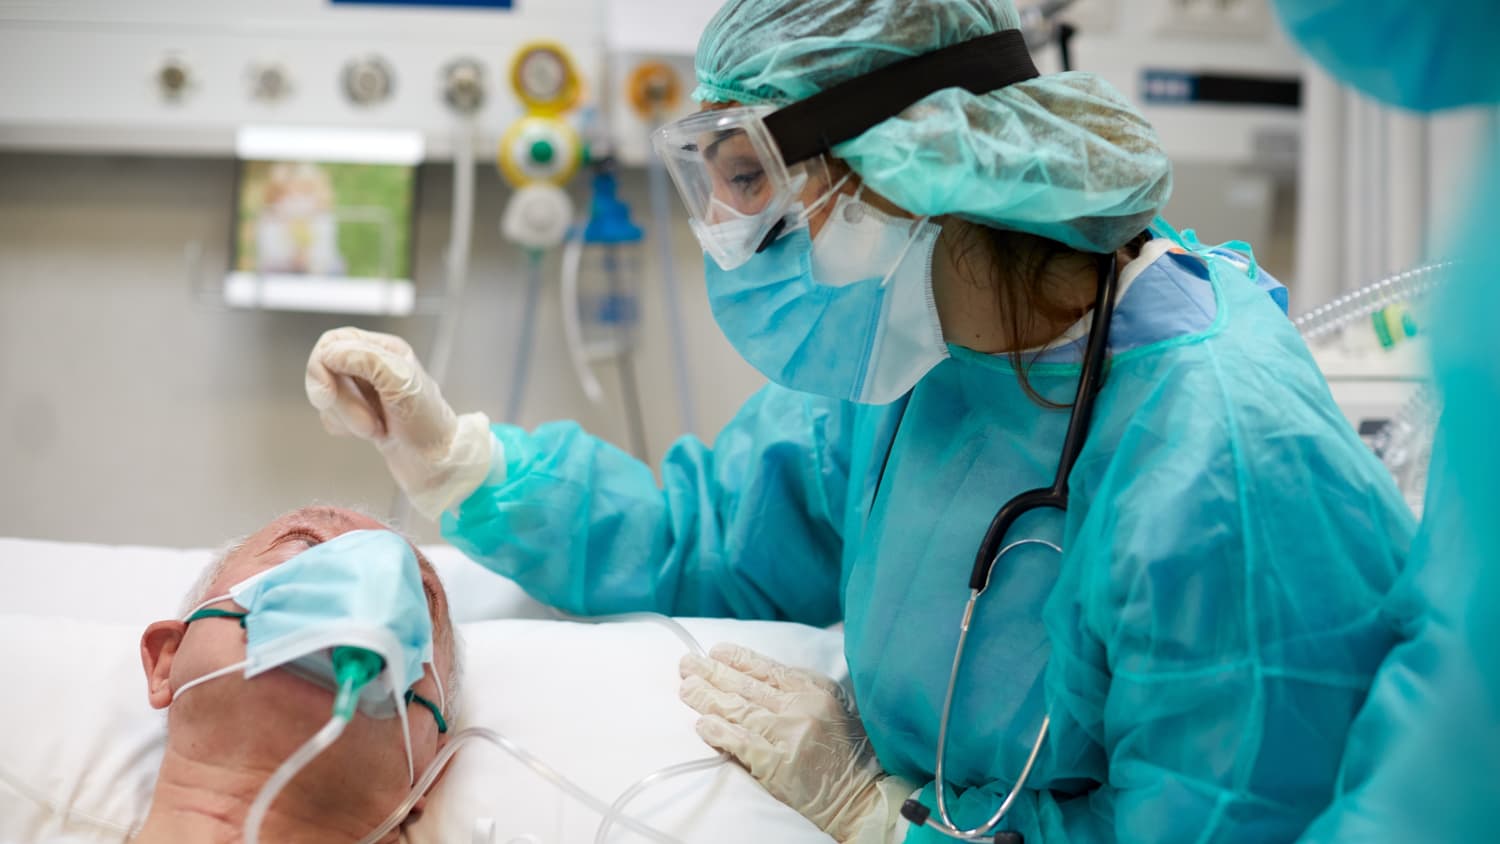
(324, 220)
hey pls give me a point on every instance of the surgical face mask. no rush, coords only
(849, 315)
(362, 590)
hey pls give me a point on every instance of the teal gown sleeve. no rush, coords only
(1423, 754)
(1219, 616)
(1421, 758)
(749, 528)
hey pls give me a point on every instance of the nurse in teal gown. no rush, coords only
(1219, 606)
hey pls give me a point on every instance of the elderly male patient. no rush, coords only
(226, 736)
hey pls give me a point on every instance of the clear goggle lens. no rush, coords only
(731, 177)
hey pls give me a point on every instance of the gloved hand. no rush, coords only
(372, 386)
(797, 733)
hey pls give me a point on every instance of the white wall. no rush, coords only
(132, 413)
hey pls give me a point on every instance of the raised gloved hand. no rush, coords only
(797, 733)
(372, 386)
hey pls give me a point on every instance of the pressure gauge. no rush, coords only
(653, 89)
(539, 149)
(544, 78)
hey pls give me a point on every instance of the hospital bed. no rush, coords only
(79, 746)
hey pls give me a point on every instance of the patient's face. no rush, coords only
(264, 719)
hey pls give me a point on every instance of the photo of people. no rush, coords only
(325, 219)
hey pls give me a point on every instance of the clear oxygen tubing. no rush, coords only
(630, 388)
(1410, 430)
(1360, 304)
(455, 271)
(541, 768)
(579, 350)
(526, 339)
(661, 214)
(1405, 444)
(320, 741)
(610, 814)
(572, 260)
(456, 260)
(617, 809)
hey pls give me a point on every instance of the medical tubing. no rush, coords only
(1360, 304)
(630, 394)
(294, 764)
(521, 366)
(541, 768)
(457, 257)
(1413, 424)
(985, 830)
(661, 213)
(617, 810)
(958, 658)
(538, 766)
(353, 668)
(672, 625)
(456, 271)
(675, 628)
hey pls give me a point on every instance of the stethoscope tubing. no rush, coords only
(993, 547)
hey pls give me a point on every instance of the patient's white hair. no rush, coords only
(452, 683)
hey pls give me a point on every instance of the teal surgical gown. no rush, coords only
(1202, 643)
(1424, 755)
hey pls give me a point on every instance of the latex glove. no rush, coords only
(798, 734)
(372, 386)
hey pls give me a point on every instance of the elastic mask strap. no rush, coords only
(782, 226)
(213, 613)
(195, 610)
(212, 675)
(823, 200)
(437, 712)
(916, 229)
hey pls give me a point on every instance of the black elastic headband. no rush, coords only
(813, 126)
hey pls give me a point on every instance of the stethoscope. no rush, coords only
(992, 548)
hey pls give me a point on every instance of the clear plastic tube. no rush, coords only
(521, 366)
(456, 260)
(1405, 444)
(617, 810)
(662, 216)
(541, 768)
(610, 814)
(672, 625)
(456, 272)
(1360, 304)
(293, 765)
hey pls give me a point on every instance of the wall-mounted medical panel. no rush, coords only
(180, 76)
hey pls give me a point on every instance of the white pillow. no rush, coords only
(79, 746)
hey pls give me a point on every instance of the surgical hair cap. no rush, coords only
(1062, 156)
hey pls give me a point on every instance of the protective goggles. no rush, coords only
(741, 171)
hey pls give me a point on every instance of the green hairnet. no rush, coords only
(1062, 156)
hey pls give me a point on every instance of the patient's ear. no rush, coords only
(159, 646)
